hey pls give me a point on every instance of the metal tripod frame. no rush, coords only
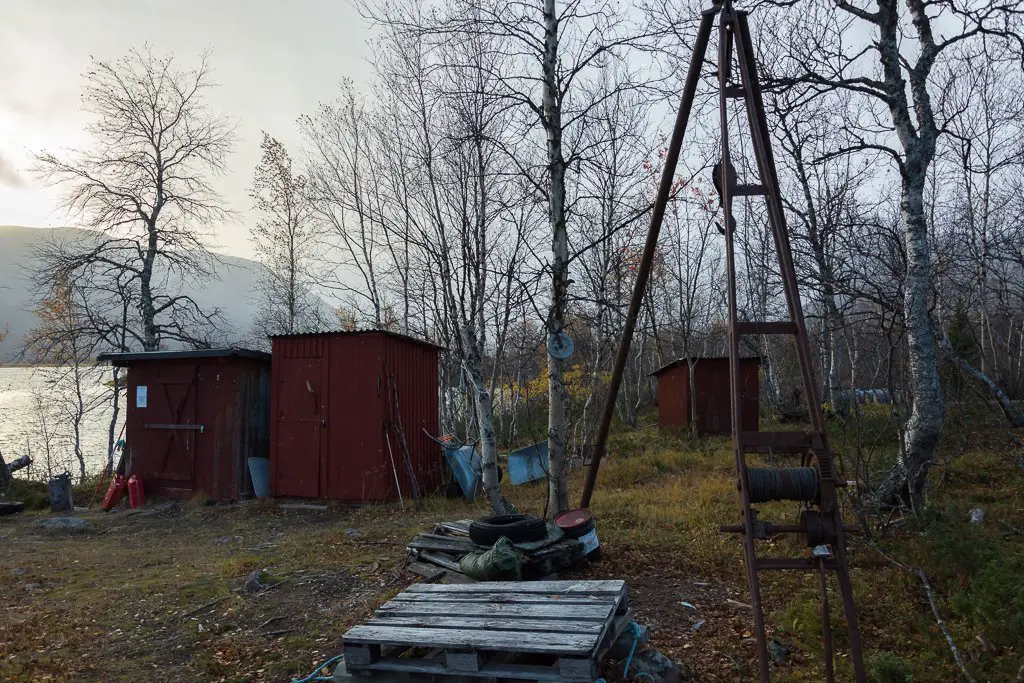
(821, 521)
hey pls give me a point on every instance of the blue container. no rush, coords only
(259, 470)
(527, 464)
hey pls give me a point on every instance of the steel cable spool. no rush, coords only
(789, 483)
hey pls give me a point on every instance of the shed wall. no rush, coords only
(342, 445)
(714, 410)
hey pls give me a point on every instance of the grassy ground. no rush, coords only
(155, 596)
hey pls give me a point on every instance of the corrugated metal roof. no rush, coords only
(396, 335)
(226, 352)
(680, 361)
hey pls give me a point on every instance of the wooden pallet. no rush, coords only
(508, 630)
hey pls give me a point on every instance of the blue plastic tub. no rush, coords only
(527, 464)
(466, 466)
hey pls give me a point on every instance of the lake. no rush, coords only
(22, 393)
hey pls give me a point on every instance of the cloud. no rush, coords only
(9, 175)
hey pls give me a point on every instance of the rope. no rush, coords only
(789, 483)
(314, 676)
(637, 632)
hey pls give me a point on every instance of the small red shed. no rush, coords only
(711, 382)
(194, 418)
(351, 413)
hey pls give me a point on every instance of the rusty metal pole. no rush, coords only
(657, 216)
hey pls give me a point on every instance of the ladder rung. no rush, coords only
(735, 91)
(775, 442)
(748, 190)
(766, 327)
(773, 563)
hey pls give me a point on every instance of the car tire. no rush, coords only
(516, 528)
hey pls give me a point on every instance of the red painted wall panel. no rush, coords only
(714, 411)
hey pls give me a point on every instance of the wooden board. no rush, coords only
(609, 588)
(468, 638)
(478, 596)
(487, 624)
(595, 612)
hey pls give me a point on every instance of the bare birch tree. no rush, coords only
(144, 186)
(285, 244)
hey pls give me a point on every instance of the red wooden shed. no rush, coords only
(350, 413)
(711, 380)
(194, 418)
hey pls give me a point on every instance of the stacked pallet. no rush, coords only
(515, 630)
(435, 555)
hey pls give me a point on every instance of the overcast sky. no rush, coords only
(273, 60)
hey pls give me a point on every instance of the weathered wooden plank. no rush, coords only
(571, 599)
(577, 668)
(499, 670)
(598, 612)
(609, 636)
(361, 655)
(511, 641)
(614, 586)
(443, 545)
(493, 624)
(430, 572)
(440, 560)
(463, 661)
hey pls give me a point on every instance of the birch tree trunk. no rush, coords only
(908, 478)
(558, 395)
(485, 420)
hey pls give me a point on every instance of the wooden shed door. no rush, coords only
(172, 425)
(301, 416)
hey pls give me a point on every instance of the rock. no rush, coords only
(623, 645)
(656, 666)
(778, 651)
(353, 533)
(70, 524)
(254, 583)
(18, 571)
(223, 539)
(977, 515)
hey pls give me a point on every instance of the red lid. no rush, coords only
(571, 519)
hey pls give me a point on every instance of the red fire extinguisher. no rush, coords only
(135, 498)
(114, 493)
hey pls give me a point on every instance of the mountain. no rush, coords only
(233, 292)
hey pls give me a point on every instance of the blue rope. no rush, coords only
(637, 632)
(314, 676)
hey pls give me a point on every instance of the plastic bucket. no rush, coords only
(579, 524)
(259, 471)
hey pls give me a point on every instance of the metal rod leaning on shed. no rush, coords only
(653, 232)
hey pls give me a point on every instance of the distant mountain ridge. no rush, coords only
(233, 293)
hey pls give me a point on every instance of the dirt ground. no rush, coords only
(158, 596)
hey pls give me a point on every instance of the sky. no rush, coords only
(273, 60)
